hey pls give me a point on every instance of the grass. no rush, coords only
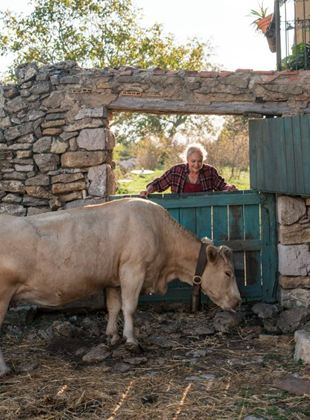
(133, 184)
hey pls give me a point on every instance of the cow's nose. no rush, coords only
(237, 303)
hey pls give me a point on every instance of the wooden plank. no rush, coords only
(269, 254)
(252, 222)
(277, 169)
(239, 268)
(253, 267)
(236, 222)
(254, 138)
(298, 158)
(220, 223)
(291, 181)
(188, 218)
(305, 146)
(203, 222)
(238, 245)
(175, 213)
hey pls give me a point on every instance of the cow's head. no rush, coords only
(218, 279)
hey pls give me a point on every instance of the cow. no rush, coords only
(125, 246)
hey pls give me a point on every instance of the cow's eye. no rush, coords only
(228, 273)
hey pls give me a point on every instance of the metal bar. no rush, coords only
(278, 33)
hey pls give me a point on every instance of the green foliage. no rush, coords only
(259, 13)
(299, 59)
(95, 33)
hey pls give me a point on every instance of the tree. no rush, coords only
(231, 149)
(103, 33)
(98, 33)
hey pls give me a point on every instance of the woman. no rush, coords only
(190, 177)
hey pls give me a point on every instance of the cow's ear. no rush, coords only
(206, 240)
(226, 251)
(212, 253)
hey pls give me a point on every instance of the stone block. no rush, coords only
(52, 131)
(37, 191)
(97, 177)
(287, 282)
(294, 298)
(59, 146)
(42, 145)
(12, 186)
(75, 195)
(46, 161)
(294, 260)
(81, 159)
(290, 209)
(99, 112)
(61, 188)
(40, 179)
(302, 347)
(12, 209)
(84, 123)
(92, 139)
(67, 177)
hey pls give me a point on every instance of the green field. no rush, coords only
(133, 183)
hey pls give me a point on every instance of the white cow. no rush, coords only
(125, 246)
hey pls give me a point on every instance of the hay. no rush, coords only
(232, 377)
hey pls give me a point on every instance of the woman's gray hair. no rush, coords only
(192, 148)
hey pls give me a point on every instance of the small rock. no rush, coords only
(97, 354)
(29, 367)
(225, 321)
(302, 348)
(136, 361)
(149, 399)
(63, 329)
(203, 377)
(122, 367)
(265, 310)
(291, 319)
(293, 385)
(197, 353)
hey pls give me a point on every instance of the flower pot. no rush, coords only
(264, 23)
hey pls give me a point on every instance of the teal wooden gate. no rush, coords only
(243, 220)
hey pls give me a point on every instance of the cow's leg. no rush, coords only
(131, 279)
(6, 296)
(113, 298)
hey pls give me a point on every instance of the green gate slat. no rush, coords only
(236, 222)
(290, 156)
(203, 222)
(253, 267)
(305, 146)
(220, 223)
(175, 213)
(239, 269)
(188, 218)
(252, 222)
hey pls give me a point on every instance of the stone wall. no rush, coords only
(294, 251)
(55, 142)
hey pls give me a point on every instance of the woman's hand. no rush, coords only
(231, 188)
(144, 194)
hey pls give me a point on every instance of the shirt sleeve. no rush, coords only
(162, 183)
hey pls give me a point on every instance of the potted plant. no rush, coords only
(264, 22)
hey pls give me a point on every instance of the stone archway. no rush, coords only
(55, 143)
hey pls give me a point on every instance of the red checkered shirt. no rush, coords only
(176, 177)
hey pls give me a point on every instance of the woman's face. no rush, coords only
(194, 161)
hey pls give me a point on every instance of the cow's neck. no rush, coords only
(185, 255)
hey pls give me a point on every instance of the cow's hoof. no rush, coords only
(133, 347)
(114, 340)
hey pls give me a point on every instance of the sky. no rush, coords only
(226, 23)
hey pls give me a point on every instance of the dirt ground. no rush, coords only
(180, 371)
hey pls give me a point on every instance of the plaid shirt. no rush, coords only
(176, 177)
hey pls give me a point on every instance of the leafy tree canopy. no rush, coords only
(103, 33)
